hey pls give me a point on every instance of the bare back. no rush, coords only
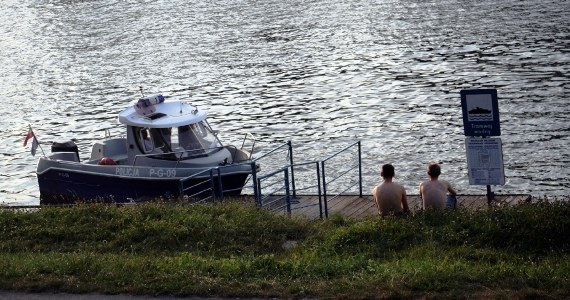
(434, 193)
(390, 198)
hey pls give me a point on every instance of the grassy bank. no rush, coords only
(236, 250)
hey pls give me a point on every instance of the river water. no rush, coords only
(321, 73)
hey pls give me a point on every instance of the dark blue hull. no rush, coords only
(89, 187)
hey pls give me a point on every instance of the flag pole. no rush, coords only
(40, 145)
(36, 140)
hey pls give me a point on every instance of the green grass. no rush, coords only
(234, 249)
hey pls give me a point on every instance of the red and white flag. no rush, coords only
(35, 143)
(28, 136)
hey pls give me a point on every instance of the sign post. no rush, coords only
(484, 154)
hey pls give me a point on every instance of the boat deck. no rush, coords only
(354, 206)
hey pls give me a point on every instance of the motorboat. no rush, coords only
(169, 151)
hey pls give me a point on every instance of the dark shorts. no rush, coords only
(451, 202)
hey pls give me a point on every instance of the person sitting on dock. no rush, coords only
(390, 197)
(434, 192)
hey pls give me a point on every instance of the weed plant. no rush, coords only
(234, 249)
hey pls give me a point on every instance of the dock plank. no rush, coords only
(359, 206)
(366, 207)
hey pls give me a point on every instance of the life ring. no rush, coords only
(107, 161)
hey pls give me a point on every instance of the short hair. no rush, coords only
(434, 170)
(388, 171)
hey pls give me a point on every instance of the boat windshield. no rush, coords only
(188, 141)
(197, 138)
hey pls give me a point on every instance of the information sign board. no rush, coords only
(485, 161)
(480, 112)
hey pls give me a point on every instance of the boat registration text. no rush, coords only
(153, 172)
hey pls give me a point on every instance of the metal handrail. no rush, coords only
(264, 177)
(285, 186)
(343, 173)
(320, 169)
(182, 189)
(321, 186)
(325, 183)
(288, 143)
(341, 151)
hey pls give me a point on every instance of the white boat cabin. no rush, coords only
(162, 130)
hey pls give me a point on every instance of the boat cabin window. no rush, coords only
(197, 138)
(145, 140)
(188, 141)
(154, 140)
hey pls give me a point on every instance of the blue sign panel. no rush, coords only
(480, 112)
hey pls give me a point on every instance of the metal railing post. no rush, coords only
(259, 202)
(360, 168)
(319, 190)
(292, 171)
(181, 188)
(256, 192)
(287, 191)
(490, 196)
(212, 187)
(324, 190)
(220, 185)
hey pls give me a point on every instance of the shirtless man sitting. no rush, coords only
(389, 196)
(434, 192)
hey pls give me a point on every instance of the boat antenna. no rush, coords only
(141, 89)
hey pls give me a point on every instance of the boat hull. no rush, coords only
(76, 183)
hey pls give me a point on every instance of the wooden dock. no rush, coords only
(354, 206)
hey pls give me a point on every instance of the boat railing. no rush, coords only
(235, 152)
(248, 138)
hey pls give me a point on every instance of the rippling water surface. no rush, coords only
(322, 74)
